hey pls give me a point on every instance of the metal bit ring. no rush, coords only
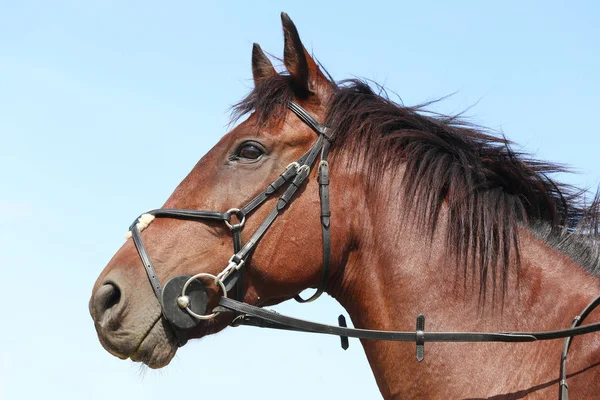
(193, 278)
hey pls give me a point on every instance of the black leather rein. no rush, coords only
(184, 299)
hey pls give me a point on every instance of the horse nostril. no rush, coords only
(113, 297)
(106, 299)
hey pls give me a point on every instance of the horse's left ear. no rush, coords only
(262, 67)
(306, 74)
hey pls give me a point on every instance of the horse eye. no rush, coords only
(250, 152)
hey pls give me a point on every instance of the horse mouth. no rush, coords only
(158, 345)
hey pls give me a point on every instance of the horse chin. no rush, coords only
(158, 347)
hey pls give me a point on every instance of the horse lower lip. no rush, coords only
(144, 338)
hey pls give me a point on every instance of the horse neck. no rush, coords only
(392, 275)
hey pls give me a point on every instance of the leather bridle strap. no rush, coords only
(308, 119)
(170, 213)
(564, 388)
(294, 175)
(325, 223)
(274, 186)
(283, 201)
(320, 146)
(256, 316)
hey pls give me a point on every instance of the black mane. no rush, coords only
(490, 190)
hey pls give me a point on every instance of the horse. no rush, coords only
(425, 214)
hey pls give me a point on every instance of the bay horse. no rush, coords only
(428, 215)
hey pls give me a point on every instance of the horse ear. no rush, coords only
(261, 65)
(306, 75)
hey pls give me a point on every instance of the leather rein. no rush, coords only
(184, 299)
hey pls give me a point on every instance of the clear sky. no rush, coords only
(105, 107)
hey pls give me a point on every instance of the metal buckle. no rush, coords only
(294, 164)
(237, 321)
(323, 163)
(238, 213)
(563, 382)
(304, 167)
(231, 266)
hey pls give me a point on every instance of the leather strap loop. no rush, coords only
(324, 194)
(420, 337)
(343, 339)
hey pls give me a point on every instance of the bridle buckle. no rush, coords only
(232, 265)
(323, 163)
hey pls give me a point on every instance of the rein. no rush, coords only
(184, 299)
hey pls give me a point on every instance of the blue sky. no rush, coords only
(97, 98)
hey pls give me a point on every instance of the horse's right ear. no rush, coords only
(306, 75)
(261, 65)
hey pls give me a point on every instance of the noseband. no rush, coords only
(184, 299)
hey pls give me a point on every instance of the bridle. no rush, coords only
(181, 292)
(184, 299)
